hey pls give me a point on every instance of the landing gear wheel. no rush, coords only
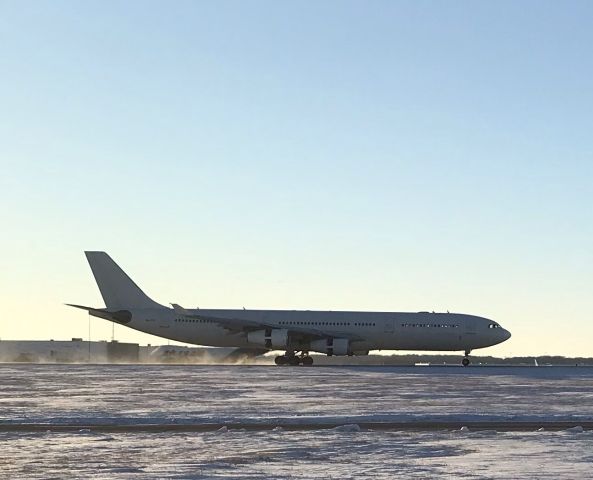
(281, 360)
(307, 361)
(294, 361)
(465, 362)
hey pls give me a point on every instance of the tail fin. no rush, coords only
(117, 289)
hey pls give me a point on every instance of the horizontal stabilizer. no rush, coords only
(95, 312)
(82, 307)
(120, 316)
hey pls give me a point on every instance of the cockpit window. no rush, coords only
(494, 325)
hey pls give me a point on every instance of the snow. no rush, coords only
(342, 398)
(351, 428)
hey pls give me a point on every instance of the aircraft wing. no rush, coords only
(239, 325)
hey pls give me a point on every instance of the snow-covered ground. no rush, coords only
(82, 394)
(312, 454)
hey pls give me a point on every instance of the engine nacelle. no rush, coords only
(274, 338)
(331, 346)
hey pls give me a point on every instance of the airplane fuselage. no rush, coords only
(329, 332)
(376, 330)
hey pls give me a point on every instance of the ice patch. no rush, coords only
(577, 429)
(126, 470)
(350, 428)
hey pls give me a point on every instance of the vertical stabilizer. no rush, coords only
(117, 289)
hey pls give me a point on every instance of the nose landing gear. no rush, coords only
(465, 362)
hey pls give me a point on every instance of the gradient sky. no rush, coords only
(368, 155)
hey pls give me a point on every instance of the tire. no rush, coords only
(307, 361)
(280, 360)
(294, 361)
(465, 362)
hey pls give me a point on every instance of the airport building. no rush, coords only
(78, 350)
(74, 351)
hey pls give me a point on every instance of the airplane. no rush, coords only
(296, 332)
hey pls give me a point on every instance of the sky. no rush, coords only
(356, 155)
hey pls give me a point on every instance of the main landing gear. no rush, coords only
(290, 358)
(465, 362)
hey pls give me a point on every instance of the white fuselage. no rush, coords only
(332, 333)
(373, 330)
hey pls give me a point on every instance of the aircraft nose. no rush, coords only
(505, 334)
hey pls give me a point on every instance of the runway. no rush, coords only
(416, 426)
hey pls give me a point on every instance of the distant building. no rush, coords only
(73, 351)
(183, 354)
(78, 350)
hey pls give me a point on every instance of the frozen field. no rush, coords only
(337, 398)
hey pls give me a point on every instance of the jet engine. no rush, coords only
(331, 346)
(276, 338)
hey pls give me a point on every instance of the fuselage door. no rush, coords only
(389, 325)
(470, 326)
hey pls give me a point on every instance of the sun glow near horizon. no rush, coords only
(395, 158)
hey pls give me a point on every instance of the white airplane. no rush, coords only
(296, 332)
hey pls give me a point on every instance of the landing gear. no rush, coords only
(294, 360)
(465, 362)
(281, 360)
(307, 360)
(290, 358)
